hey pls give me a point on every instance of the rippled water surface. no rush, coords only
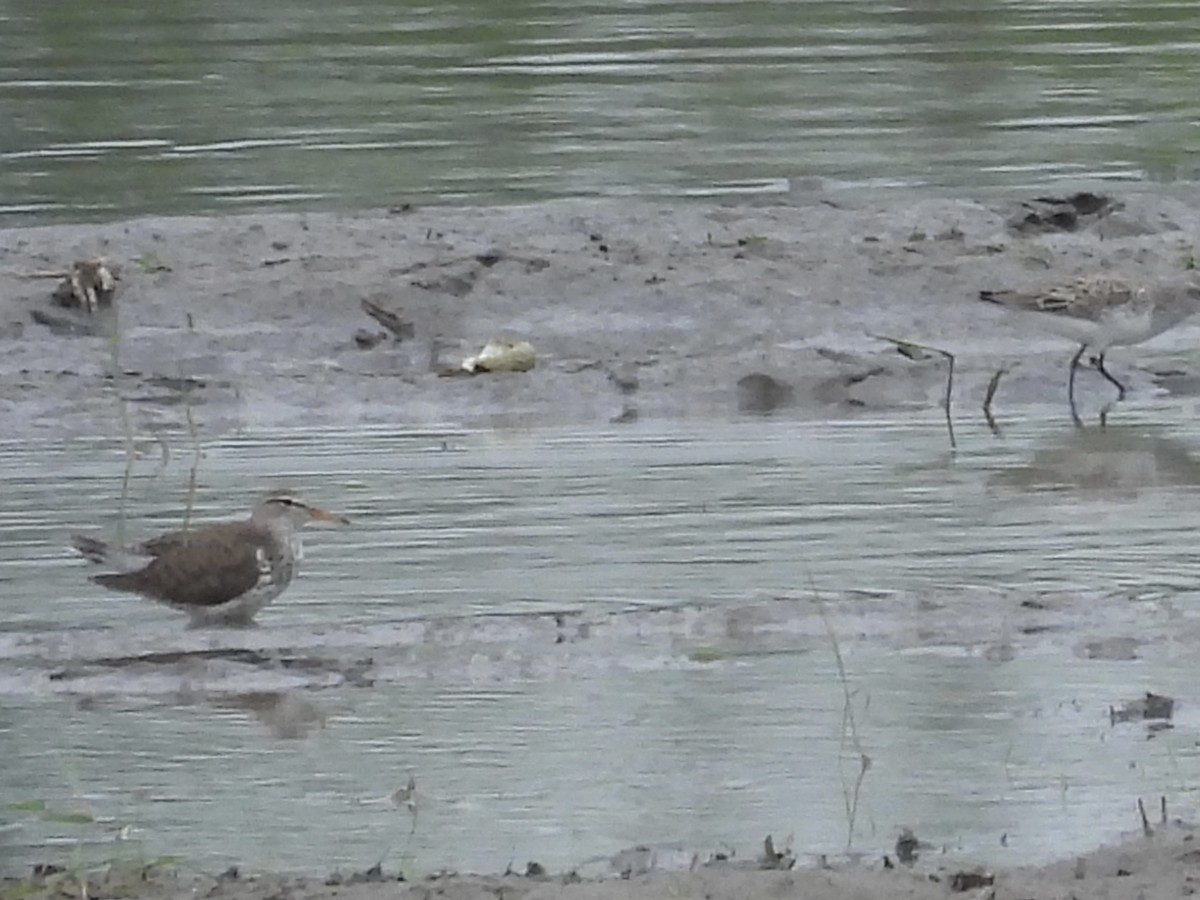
(578, 642)
(170, 108)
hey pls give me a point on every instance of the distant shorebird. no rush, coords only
(89, 286)
(218, 574)
(1101, 313)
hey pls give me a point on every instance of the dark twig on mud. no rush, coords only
(400, 328)
(1146, 829)
(990, 396)
(913, 350)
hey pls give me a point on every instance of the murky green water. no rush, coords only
(578, 642)
(175, 108)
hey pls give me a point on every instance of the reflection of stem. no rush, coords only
(123, 409)
(126, 480)
(908, 349)
(193, 476)
(990, 396)
(1071, 387)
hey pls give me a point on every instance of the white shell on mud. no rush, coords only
(502, 356)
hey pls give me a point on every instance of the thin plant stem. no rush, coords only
(910, 350)
(850, 794)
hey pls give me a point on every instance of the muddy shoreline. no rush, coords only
(635, 311)
(1160, 862)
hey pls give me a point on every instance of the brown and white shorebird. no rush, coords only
(219, 574)
(1101, 313)
(89, 286)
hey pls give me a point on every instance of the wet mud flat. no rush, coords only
(633, 310)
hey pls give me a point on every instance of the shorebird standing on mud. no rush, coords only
(1101, 313)
(220, 574)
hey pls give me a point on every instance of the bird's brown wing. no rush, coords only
(163, 543)
(206, 567)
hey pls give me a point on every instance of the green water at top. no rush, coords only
(173, 108)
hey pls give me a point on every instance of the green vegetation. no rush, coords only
(118, 875)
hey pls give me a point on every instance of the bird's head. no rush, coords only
(287, 506)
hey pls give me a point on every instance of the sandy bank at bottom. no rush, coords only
(635, 311)
(1165, 864)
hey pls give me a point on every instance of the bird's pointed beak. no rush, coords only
(325, 516)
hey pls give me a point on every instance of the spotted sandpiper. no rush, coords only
(220, 574)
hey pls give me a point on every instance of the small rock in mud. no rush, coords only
(1054, 214)
(970, 880)
(907, 845)
(761, 393)
(365, 339)
(535, 870)
(1151, 706)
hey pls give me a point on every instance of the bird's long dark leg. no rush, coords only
(1071, 386)
(1099, 363)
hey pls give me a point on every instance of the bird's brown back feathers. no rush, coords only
(205, 567)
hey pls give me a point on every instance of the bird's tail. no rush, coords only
(92, 549)
(118, 581)
(103, 553)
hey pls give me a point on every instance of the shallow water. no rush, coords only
(579, 642)
(178, 109)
